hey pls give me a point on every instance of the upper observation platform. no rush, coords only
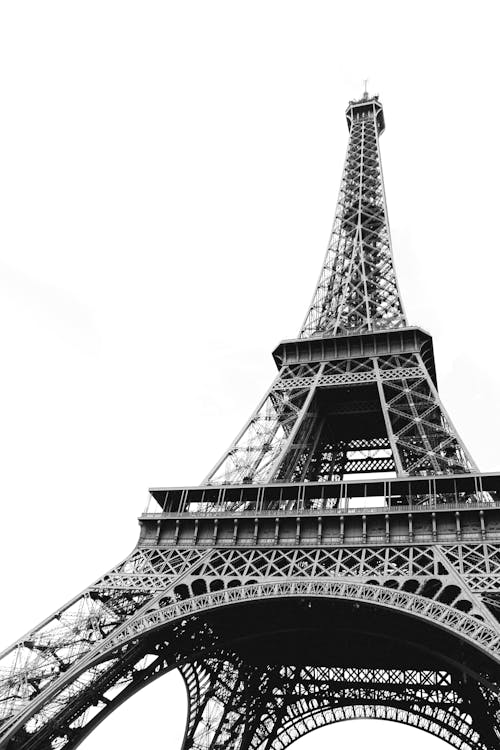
(365, 107)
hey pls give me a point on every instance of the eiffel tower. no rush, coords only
(341, 560)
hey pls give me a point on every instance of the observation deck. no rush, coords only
(386, 342)
(412, 510)
(366, 106)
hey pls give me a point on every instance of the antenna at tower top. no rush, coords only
(365, 93)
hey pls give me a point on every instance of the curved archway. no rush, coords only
(452, 726)
(435, 724)
(144, 721)
(454, 620)
(207, 611)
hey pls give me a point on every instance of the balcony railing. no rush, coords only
(456, 492)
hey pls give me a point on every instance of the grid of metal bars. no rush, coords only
(148, 614)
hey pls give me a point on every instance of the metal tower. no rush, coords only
(341, 560)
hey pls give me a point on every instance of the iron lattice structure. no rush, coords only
(341, 560)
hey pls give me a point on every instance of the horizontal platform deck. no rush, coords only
(415, 510)
(353, 496)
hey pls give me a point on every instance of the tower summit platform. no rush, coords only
(367, 106)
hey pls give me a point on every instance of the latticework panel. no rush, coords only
(425, 438)
(431, 572)
(254, 453)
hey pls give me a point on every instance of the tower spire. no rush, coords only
(357, 290)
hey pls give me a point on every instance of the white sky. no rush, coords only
(168, 178)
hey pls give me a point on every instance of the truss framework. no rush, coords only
(235, 705)
(355, 394)
(310, 426)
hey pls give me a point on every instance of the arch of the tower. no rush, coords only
(304, 699)
(451, 724)
(435, 722)
(288, 702)
(332, 629)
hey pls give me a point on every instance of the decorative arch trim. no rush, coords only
(460, 624)
(459, 735)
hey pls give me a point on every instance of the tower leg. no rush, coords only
(227, 701)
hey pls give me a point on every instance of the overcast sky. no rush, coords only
(168, 178)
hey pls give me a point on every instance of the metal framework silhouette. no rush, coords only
(341, 560)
